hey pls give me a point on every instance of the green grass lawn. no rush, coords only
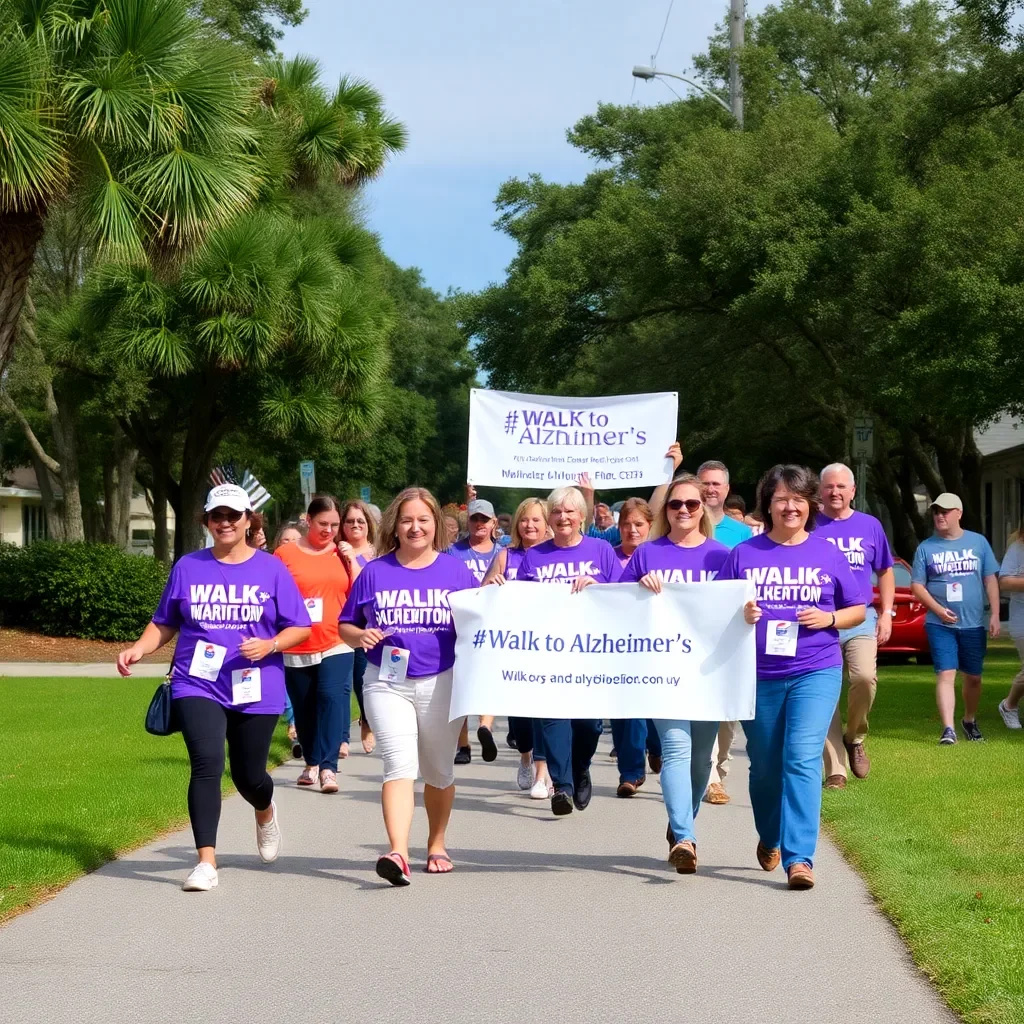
(938, 833)
(83, 781)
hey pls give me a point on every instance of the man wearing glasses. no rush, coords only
(954, 571)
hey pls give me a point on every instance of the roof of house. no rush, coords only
(1003, 433)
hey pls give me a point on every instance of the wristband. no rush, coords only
(833, 626)
(275, 645)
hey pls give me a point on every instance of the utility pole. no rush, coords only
(737, 18)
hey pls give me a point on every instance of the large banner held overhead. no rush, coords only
(612, 651)
(542, 442)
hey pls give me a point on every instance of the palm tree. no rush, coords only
(128, 111)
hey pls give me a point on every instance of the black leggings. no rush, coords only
(205, 724)
(358, 670)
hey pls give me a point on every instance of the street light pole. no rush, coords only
(737, 19)
(647, 73)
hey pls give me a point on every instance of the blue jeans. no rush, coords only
(289, 713)
(570, 745)
(784, 742)
(631, 737)
(321, 697)
(685, 769)
(539, 753)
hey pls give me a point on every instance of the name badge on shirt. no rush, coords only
(781, 638)
(245, 685)
(207, 660)
(315, 607)
(394, 665)
(954, 592)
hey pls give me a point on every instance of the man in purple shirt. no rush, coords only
(862, 540)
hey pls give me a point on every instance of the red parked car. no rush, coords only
(908, 635)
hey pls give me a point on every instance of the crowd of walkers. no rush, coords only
(354, 599)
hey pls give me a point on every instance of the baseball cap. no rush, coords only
(480, 507)
(228, 496)
(947, 501)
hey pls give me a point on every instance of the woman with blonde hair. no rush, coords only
(1011, 581)
(528, 529)
(401, 597)
(579, 561)
(683, 551)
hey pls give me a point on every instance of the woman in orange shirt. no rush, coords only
(318, 672)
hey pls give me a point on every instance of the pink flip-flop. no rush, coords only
(434, 858)
(394, 868)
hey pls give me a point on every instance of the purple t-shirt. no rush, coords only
(861, 538)
(477, 563)
(789, 577)
(513, 560)
(674, 564)
(413, 603)
(219, 604)
(621, 555)
(548, 563)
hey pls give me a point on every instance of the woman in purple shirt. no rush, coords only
(529, 527)
(683, 551)
(632, 737)
(570, 558)
(235, 610)
(806, 593)
(397, 611)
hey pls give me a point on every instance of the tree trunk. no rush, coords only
(118, 484)
(54, 518)
(887, 488)
(66, 443)
(206, 427)
(20, 234)
(161, 549)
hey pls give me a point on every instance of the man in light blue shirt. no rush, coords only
(954, 571)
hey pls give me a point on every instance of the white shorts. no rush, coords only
(410, 722)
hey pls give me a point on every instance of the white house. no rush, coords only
(1002, 479)
(22, 519)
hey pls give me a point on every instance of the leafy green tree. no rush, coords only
(855, 248)
(253, 22)
(131, 113)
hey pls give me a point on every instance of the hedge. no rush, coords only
(91, 591)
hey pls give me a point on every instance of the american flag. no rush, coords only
(258, 494)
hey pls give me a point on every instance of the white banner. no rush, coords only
(542, 442)
(613, 651)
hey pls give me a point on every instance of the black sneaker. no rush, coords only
(488, 748)
(297, 750)
(561, 803)
(948, 737)
(464, 755)
(972, 732)
(583, 791)
(510, 739)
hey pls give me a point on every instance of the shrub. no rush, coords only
(92, 591)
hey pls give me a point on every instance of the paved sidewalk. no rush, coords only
(576, 919)
(94, 669)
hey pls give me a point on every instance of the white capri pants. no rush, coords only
(410, 721)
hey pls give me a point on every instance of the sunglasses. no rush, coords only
(937, 511)
(691, 504)
(231, 516)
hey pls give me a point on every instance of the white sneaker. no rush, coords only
(524, 777)
(268, 838)
(202, 879)
(541, 790)
(1010, 716)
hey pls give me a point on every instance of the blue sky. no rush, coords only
(487, 91)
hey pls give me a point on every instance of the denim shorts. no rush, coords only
(953, 649)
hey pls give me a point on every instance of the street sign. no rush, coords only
(364, 494)
(307, 478)
(863, 447)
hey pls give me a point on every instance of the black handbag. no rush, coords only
(160, 714)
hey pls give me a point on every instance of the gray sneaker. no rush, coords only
(1010, 716)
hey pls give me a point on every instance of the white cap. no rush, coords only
(229, 496)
